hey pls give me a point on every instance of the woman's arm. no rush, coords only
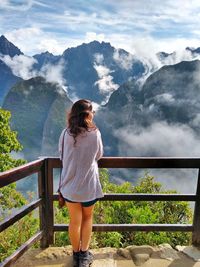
(60, 144)
(99, 146)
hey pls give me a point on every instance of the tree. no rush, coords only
(143, 212)
(8, 143)
(10, 198)
(137, 212)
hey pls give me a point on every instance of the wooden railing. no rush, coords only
(44, 168)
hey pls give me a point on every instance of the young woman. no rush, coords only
(80, 186)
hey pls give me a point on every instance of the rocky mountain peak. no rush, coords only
(8, 48)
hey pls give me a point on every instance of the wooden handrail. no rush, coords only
(133, 227)
(20, 172)
(19, 214)
(144, 197)
(44, 168)
(142, 162)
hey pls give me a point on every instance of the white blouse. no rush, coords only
(80, 175)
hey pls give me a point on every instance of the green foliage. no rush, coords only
(10, 199)
(17, 234)
(138, 212)
(21, 231)
(8, 143)
(108, 239)
(61, 216)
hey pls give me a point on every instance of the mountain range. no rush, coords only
(159, 117)
(91, 71)
(170, 96)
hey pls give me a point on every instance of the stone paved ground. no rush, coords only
(144, 256)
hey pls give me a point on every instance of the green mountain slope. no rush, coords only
(37, 107)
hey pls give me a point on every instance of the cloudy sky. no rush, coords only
(39, 25)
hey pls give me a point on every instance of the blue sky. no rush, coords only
(139, 26)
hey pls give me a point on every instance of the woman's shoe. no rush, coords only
(76, 259)
(85, 259)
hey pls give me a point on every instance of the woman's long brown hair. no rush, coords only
(80, 118)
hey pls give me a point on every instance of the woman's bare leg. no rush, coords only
(75, 214)
(86, 227)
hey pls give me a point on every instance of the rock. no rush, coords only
(108, 253)
(132, 246)
(140, 259)
(191, 251)
(51, 257)
(140, 254)
(124, 252)
(140, 250)
(167, 252)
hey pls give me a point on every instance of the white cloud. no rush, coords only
(182, 180)
(105, 82)
(99, 58)
(120, 40)
(89, 19)
(146, 56)
(33, 40)
(164, 98)
(160, 139)
(72, 95)
(151, 61)
(91, 36)
(125, 61)
(26, 39)
(178, 56)
(21, 66)
(196, 76)
(96, 106)
(159, 15)
(54, 73)
(102, 70)
(22, 34)
(22, 5)
(42, 4)
(51, 45)
(196, 121)
(144, 46)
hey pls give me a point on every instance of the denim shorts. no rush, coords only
(84, 204)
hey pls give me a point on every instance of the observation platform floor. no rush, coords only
(112, 257)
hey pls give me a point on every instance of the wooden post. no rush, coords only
(196, 219)
(45, 188)
(42, 209)
(49, 201)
